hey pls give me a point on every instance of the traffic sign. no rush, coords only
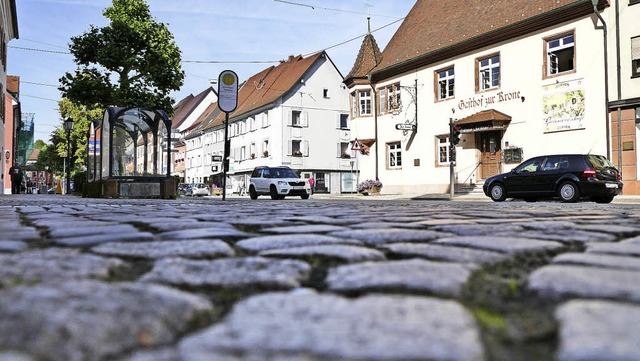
(405, 126)
(227, 91)
(356, 145)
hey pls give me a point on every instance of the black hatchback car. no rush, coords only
(568, 176)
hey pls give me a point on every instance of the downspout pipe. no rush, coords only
(606, 77)
(375, 120)
(619, 84)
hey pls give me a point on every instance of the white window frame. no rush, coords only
(364, 102)
(564, 41)
(446, 82)
(489, 72)
(443, 145)
(394, 155)
(635, 57)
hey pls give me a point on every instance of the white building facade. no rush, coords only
(522, 91)
(306, 127)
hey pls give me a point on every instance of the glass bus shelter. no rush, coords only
(128, 155)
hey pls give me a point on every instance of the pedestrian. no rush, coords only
(16, 178)
(312, 182)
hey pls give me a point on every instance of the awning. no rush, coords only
(484, 121)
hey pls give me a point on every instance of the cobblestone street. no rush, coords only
(199, 279)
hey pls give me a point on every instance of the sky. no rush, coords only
(245, 36)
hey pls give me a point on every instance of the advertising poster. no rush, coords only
(563, 106)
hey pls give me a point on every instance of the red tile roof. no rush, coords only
(185, 107)
(435, 27)
(265, 88)
(368, 57)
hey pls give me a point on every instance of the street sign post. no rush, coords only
(405, 126)
(227, 102)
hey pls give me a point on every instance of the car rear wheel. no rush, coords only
(274, 193)
(252, 193)
(497, 193)
(603, 199)
(569, 192)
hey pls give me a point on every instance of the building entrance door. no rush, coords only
(490, 153)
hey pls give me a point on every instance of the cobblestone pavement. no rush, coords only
(323, 279)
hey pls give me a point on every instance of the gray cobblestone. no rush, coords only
(92, 320)
(598, 330)
(365, 279)
(265, 243)
(414, 275)
(323, 327)
(54, 264)
(193, 248)
(263, 273)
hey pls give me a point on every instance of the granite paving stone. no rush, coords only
(375, 237)
(258, 272)
(209, 232)
(77, 229)
(446, 253)
(12, 246)
(569, 236)
(599, 260)
(90, 320)
(20, 234)
(54, 264)
(477, 229)
(263, 243)
(628, 248)
(586, 282)
(510, 245)
(343, 253)
(95, 239)
(414, 275)
(329, 327)
(192, 248)
(312, 228)
(634, 240)
(598, 330)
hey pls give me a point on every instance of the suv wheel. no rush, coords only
(497, 193)
(306, 196)
(252, 193)
(274, 192)
(569, 192)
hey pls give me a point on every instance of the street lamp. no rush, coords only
(68, 126)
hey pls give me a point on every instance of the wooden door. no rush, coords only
(490, 154)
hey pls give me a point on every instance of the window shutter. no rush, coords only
(290, 148)
(338, 121)
(305, 148)
(339, 153)
(305, 119)
(289, 117)
(635, 48)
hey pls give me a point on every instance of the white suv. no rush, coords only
(277, 182)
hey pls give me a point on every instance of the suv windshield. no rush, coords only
(283, 173)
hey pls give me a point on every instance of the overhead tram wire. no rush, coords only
(314, 7)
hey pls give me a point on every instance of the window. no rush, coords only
(364, 98)
(325, 93)
(344, 121)
(265, 148)
(390, 99)
(446, 84)
(383, 100)
(252, 150)
(354, 105)
(344, 151)
(444, 150)
(488, 76)
(296, 118)
(560, 55)
(394, 152)
(296, 148)
(243, 153)
(635, 56)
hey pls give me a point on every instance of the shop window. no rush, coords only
(446, 83)
(560, 54)
(488, 74)
(394, 154)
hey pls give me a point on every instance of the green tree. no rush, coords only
(39, 144)
(133, 61)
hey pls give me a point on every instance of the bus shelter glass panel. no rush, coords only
(105, 146)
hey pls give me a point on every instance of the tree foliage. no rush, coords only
(133, 61)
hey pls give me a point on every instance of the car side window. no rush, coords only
(532, 165)
(552, 163)
(266, 173)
